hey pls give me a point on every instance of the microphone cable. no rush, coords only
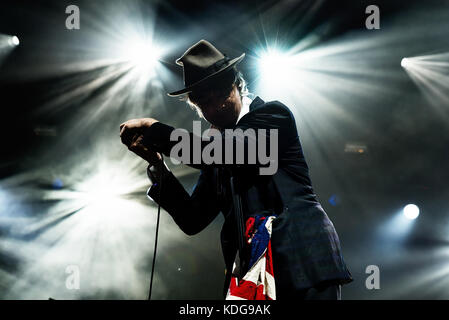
(157, 228)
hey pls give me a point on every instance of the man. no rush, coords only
(302, 244)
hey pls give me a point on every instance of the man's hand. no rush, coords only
(130, 128)
(131, 133)
(153, 157)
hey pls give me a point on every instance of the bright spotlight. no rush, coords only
(431, 74)
(275, 65)
(411, 211)
(405, 63)
(142, 55)
(13, 41)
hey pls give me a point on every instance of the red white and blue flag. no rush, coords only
(258, 283)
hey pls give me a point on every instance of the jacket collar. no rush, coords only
(257, 102)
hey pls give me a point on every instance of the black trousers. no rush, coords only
(332, 292)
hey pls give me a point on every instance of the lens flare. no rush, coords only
(141, 54)
(404, 63)
(275, 65)
(411, 211)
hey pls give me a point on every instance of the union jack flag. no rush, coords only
(258, 282)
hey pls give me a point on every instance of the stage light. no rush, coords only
(58, 184)
(405, 63)
(141, 54)
(280, 73)
(431, 74)
(397, 227)
(411, 211)
(15, 41)
(275, 65)
(7, 42)
(334, 200)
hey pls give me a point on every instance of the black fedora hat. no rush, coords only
(202, 62)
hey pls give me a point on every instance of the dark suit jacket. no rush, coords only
(306, 248)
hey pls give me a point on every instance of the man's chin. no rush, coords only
(225, 124)
(219, 126)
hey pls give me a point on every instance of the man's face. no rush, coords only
(222, 107)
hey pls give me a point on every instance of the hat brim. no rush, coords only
(191, 87)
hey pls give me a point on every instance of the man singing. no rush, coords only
(277, 241)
